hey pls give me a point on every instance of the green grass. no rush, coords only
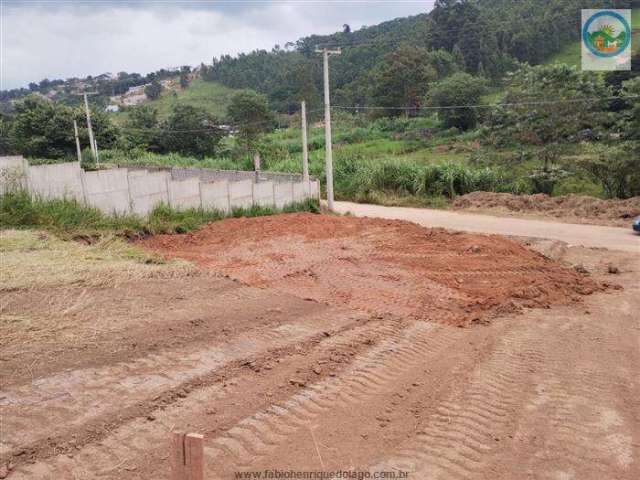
(390, 161)
(212, 96)
(20, 210)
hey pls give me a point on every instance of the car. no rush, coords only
(636, 224)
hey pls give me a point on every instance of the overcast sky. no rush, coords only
(62, 38)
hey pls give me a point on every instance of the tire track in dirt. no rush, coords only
(79, 397)
(120, 453)
(255, 437)
(460, 438)
(553, 401)
(582, 421)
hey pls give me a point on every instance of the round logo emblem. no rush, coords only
(606, 34)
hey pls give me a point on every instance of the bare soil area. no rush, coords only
(380, 266)
(317, 343)
(567, 208)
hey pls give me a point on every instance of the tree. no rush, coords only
(153, 90)
(141, 128)
(616, 168)
(6, 135)
(457, 90)
(250, 113)
(631, 117)
(402, 80)
(44, 129)
(191, 131)
(184, 80)
(550, 105)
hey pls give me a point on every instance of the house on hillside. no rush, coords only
(112, 108)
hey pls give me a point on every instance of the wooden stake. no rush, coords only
(187, 456)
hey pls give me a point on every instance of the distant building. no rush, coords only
(112, 108)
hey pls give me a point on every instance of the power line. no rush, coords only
(488, 105)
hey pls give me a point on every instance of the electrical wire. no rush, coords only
(487, 105)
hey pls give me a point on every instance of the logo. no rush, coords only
(606, 39)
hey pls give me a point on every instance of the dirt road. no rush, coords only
(522, 368)
(613, 238)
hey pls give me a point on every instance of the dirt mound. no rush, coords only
(379, 266)
(574, 208)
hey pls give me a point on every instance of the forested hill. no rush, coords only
(481, 37)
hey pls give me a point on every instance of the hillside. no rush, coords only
(484, 37)
(211, 96)
(571, 53)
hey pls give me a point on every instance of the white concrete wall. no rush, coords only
(139, 191)
(13, 173)
(314, 191)
(283, 193)
(107, 190)
(59, 180)
(263, 194)
(215, 195)
(147, 191)
(184, 194)
(241, 194)
(300, 191)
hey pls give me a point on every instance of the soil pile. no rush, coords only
(383, 267)
(574, 208)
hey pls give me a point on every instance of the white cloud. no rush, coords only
(66, 39)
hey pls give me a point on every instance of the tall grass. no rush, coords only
(20, 210)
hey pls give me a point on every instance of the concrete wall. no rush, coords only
(147, 191)
(184, 194)
(241, 194)
(140, 190)
(59, 180)
(13, 173)
(300, 191)
(208, 175)
(263, 194)
(314, 191)
(107, 190)
(283, 193)
(215, 195)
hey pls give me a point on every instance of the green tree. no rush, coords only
(153, 90)
(142, 128)
(184, 80)
(250, 113)
(631, 117)
(6, 135)
(455, 91)
(550, 105)
(402, 80)
(616, 168)
(42, 128)
(191, 131)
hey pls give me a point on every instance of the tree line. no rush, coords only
(485, 38)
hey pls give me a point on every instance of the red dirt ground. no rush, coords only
(380, 266)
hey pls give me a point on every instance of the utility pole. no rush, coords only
(92, 143)
(327, 125)
(75, 131)
(305, 150)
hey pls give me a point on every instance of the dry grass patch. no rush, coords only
(36, 259)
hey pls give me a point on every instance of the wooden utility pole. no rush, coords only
(327, 125)
(305, 150)
(75, 131)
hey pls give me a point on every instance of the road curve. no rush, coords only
(611, 238)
